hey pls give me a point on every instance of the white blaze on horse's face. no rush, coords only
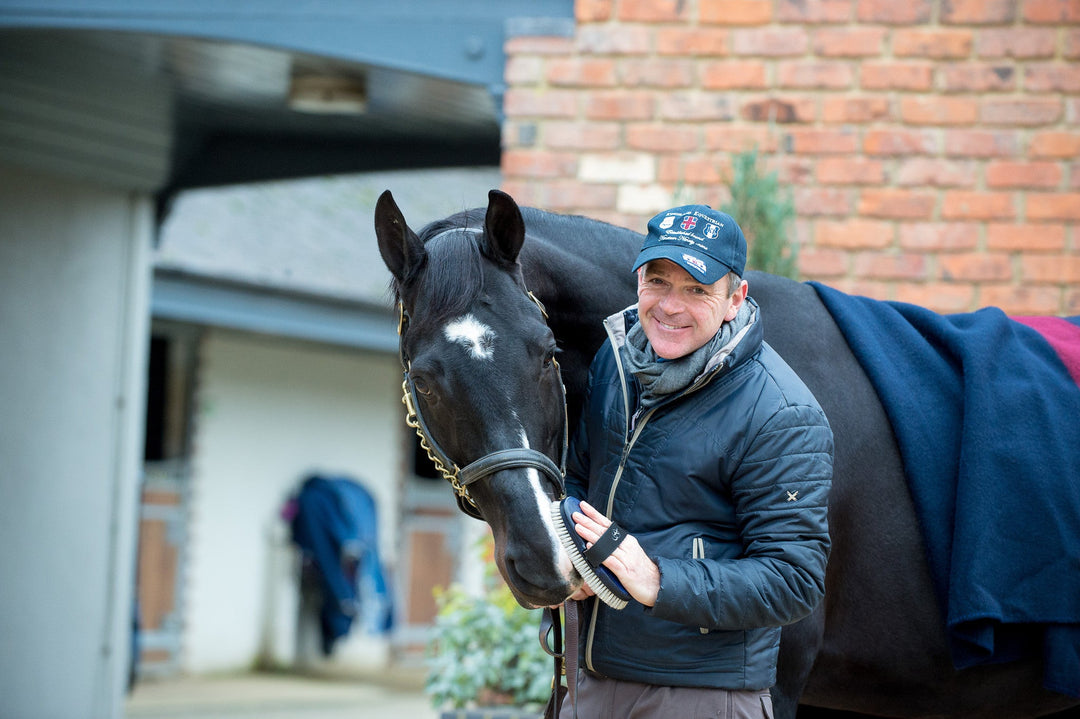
(543, 504)
(474, 335)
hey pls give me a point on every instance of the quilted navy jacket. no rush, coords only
(725, 486)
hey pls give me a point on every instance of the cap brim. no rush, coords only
(714, 269)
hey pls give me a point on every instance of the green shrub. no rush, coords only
(765, 212)
(486, 650)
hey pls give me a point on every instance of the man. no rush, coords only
(714, 457)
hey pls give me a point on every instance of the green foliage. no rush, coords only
(765, 212)
(485, 649)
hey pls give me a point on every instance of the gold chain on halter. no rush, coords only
(450, 475)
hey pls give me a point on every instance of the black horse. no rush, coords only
(480, 357)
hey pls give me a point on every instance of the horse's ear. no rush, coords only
(504, 227)
(399, 246)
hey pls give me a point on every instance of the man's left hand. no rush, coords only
(628, 562)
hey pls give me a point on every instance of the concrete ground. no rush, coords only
(280, 696)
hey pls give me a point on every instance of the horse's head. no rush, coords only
(485, 386)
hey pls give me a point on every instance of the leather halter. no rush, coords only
(461, 477)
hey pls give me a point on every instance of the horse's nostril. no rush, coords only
(529, 578)
(520, 571)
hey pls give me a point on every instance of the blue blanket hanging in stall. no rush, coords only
(334, 523)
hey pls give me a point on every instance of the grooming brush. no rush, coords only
(599, 578)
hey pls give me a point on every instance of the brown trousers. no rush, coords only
(602, 698)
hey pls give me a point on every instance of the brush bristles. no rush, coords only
(595, 583)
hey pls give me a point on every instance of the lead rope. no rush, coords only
(550, 624)
(571, 608)
(565, 655)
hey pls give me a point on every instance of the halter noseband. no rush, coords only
(461, 477)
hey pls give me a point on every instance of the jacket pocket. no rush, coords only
(698, 552)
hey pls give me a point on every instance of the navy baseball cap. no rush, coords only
(705, 242)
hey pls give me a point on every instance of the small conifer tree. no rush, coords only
(765, 211)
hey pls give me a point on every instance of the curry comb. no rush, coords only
(599, 578)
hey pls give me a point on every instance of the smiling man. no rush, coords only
(701, 443)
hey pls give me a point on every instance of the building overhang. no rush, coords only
(172, 94)
(216, 303)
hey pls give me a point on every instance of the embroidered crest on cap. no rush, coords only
(667, 222)
(688, 223)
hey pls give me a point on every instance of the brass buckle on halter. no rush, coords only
(410, 410)
(534, 298)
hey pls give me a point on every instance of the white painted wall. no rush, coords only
(74, 311)
(268, 413)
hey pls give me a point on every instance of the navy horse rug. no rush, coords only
(986, 413)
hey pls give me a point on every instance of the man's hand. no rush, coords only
(628, 562)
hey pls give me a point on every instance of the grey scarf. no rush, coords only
(660, 378)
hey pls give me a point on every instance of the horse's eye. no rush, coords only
(549, 359)
(421, 385)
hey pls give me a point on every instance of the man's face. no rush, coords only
(678, 313)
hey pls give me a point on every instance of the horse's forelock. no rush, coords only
(454, 276)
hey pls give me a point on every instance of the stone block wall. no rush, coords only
(932, 147)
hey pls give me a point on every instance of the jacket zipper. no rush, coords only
(607, 512)
(635, 423)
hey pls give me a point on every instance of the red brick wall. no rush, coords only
(933, 148)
